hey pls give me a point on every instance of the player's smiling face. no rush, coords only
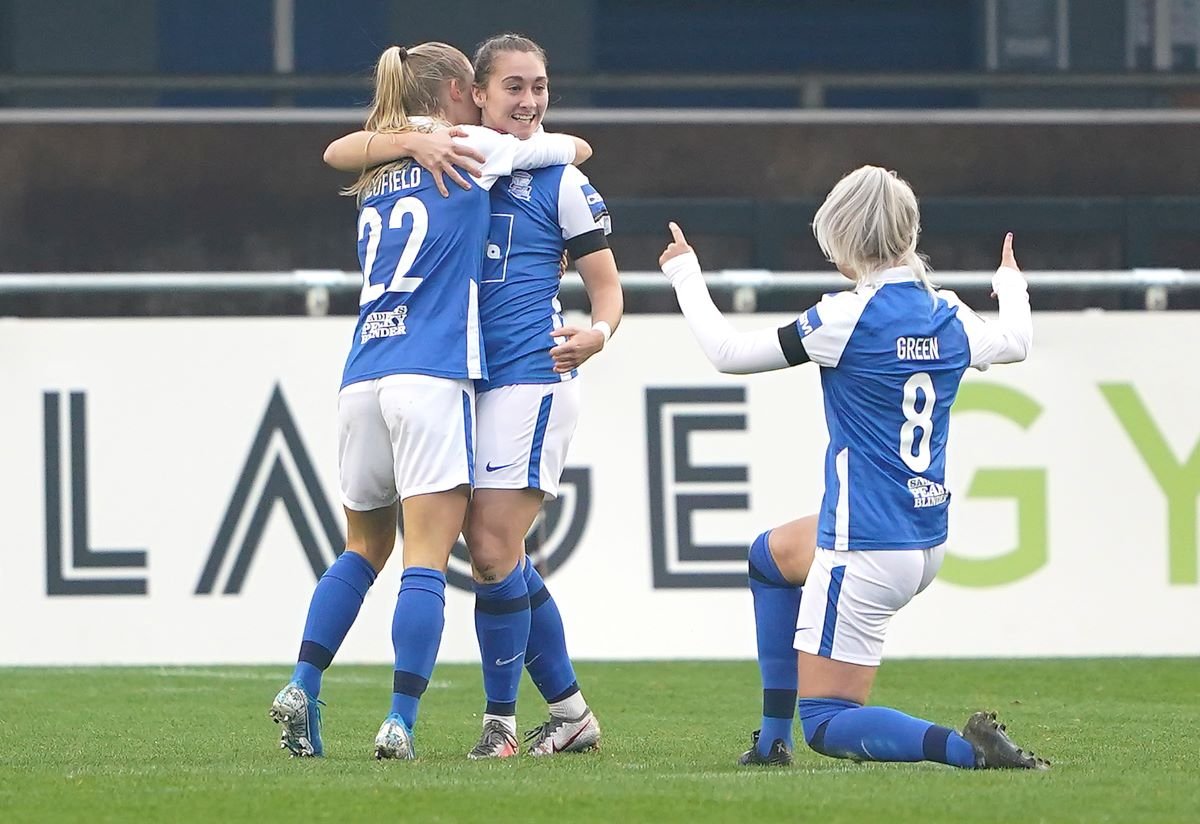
(516, 95)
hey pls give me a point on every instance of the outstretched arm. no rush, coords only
(730, 351)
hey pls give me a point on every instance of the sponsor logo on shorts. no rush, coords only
(384, 324)
(488, 466)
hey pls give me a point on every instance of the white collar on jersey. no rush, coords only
(897, 274)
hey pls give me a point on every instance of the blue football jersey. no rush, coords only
(891, 358)
(535, 215)
(422, 258)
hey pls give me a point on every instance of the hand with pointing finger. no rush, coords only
(678, 245)
(1007, 258)
(1009, 272)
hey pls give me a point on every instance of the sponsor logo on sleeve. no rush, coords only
(809, 322)
(596, 203)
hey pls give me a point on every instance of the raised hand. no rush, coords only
(678, 245)
(1008, 261)
(1007, 258)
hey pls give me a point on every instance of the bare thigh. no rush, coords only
(497, 522)
(825, 678)
(792, 546)
(432, 523)
(372, 534)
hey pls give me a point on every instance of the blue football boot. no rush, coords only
(394, 739)
(300, 716)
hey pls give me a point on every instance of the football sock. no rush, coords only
(331, 612)
(502, 628)
(416, 635)
(844, 729)
(571, 706)
(776, 605)
(509, 721)
(546, 656)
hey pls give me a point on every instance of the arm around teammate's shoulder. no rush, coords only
(436, 151)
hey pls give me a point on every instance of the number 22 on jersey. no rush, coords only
(370, 223)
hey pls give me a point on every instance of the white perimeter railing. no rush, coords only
(746, 285)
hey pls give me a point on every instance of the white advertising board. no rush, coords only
(169, 495)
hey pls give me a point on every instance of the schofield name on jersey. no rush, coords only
(407, 176)
(917, 349)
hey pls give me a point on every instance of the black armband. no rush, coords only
(587, 243)
(792, 345)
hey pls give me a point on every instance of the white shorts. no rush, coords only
(524, 431)
(850, 596)
(404, 435)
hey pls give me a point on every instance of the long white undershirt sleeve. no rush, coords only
(730, 351)
(1008, 338)
(1016, 317)
(506, 153)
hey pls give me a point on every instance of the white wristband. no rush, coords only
(604, 329)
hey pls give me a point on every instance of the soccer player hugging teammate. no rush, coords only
(530, 403)
(406, 409)
(892, 352)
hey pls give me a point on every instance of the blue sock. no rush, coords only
(502, 627)
(331, 613)
(844, 729)
(416, 635)
(776, 605)
(546, 656)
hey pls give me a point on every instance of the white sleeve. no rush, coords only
(825, 328)
(1006, 339)
(732, 352)
(581, 209)
(505, 153)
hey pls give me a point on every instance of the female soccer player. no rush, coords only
(407, 404)
(892, 352)
(528, 407)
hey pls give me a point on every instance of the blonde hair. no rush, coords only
(408, 83)
(870, 221)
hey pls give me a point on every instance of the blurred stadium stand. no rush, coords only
(1073, 123)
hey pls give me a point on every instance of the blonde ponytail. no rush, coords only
(408, 83)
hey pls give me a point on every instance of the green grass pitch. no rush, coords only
(195, 744)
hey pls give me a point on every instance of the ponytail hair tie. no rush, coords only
(403, 53)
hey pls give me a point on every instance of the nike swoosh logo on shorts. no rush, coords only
(500, 663)
(491, 468)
